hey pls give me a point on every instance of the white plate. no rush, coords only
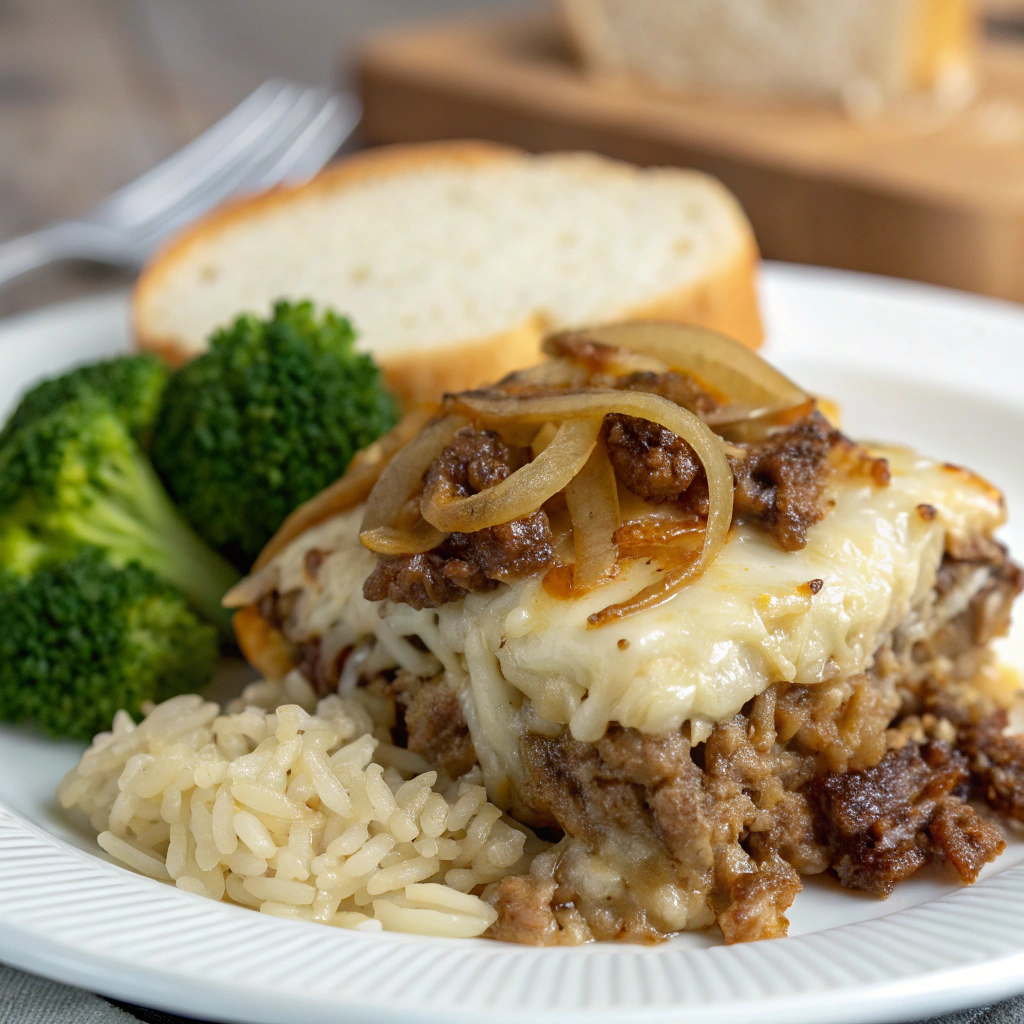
(939, 370)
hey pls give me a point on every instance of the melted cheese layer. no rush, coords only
(751, 620)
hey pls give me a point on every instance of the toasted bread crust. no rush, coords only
(724, 300)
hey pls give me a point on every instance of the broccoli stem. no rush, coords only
(138, 522)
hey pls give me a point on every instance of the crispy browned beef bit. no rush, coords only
(464, 562)
(995, 758)
(504, 552)
(883, 823)
(416, 580)
(757, 901)
(528, 912)
(474, 461)
(651, 461)
(780, 481)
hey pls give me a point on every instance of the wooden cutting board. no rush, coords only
(911, 194)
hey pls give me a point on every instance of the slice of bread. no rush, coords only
(860, 53)
(453, 259)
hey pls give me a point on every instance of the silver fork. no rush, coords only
(281, 132)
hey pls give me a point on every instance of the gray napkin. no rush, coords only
(26, 999)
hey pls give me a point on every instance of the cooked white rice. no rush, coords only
(299, 815)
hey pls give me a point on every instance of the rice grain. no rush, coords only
(288, 813)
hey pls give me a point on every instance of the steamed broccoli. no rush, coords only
(132, 384)
(83, 638)
(75, 477)
(270, 416)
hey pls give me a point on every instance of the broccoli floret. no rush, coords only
(132, 384)
(84, 638)
(270, 416)
(75, 477)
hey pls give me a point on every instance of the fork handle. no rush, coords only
(65, 240)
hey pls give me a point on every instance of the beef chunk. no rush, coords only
(526, 912)
(416, 580)
(992, 605)
(465, 562)
(651, 461)
(780, 481)
(568, 786)
(474, 461)
(885, 822)
(967, 841)
(534, 911)
(504, 552)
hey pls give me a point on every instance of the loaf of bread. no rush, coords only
(453, 259)
(863, 54)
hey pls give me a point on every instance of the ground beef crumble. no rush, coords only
(779, 480)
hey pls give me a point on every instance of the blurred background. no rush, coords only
(92, 92)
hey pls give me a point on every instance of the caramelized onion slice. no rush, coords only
(593, 500)
(521, 493)
(389, 540)
(350, 489)
(643, 538)
(658, 410)
(578, 349)
(724, 364)
(651, 597)
(404, 472)
(737, 412)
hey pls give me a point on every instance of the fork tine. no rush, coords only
(228, 179)
(254, 168)
(316, 144)
(154, 182)
(215, 157)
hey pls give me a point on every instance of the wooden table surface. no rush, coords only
(93, 92)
